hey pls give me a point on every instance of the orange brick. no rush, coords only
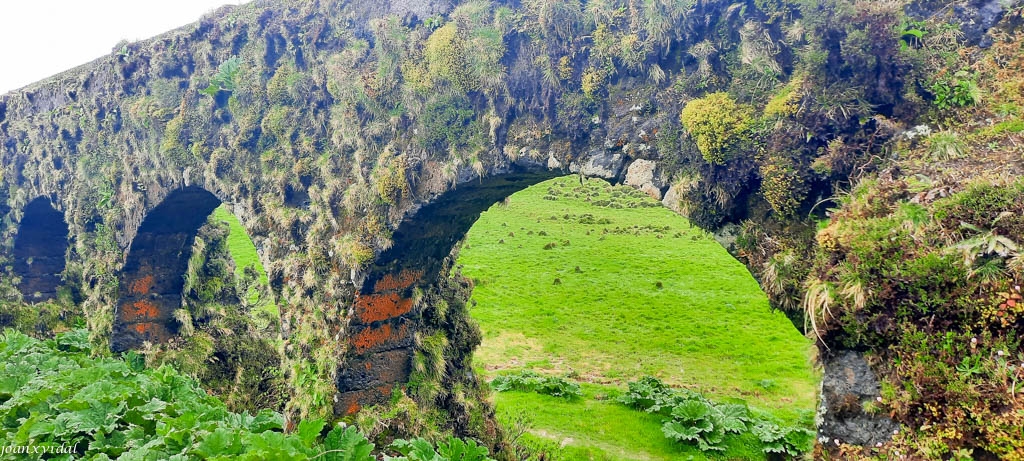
(142, 286)
(372, 338)
(406, 278)
(143, 308)
(377, 307)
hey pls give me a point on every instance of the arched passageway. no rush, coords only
(40, 250)
(152, 280)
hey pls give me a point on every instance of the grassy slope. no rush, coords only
(708, 328)
(243, 251)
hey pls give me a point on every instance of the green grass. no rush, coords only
(243, 251)
(603, 429)
(708, 327)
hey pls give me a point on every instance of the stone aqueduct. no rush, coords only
(160, 206)
(113, 166)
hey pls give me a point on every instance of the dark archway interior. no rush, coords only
(152, 280)
(39, 251)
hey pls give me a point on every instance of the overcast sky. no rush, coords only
(40, 38)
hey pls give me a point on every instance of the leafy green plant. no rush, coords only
(653, 396)
(450, 449)
(529, 381)
(693, 419)
(55, 392)
(788, 441)
(346, 444)
(911, 34)
(960, 91)
(226, 78)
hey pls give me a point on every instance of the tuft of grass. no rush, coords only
(946, 145)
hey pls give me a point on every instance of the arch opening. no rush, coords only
(40, 250)
(602, 286)
(152, 280)
(397, 311)
(193, 286)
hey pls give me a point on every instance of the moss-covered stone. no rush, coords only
(493, 96)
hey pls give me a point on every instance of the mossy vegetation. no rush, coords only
(718, 124)
(944, 311)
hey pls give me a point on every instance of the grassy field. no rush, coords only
(605, 285)
(596, 427)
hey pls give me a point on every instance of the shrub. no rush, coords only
(782, 185)
(786, 102)
(446, 122)
(390, 178)
(718, 124)
(446, 58)
(960, 91)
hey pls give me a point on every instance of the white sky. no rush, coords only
(40, 38)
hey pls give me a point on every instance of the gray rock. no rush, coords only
(644, 175)
(726, 236)
(601, 164)
(848, 386)
(975, 17)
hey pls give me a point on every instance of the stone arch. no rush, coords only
(152, 280)
(383, 321)
(40, 249)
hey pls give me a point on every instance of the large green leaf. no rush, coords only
(74, 341)
(799, 440)
(455, 449)
(102, 417)
(679, 432)
(219, 442)
(416, 450)
(346, 444)
(309, 430)
(691, 411)
(732, 417)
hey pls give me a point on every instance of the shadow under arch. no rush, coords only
(152, 280)
(40, 251)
